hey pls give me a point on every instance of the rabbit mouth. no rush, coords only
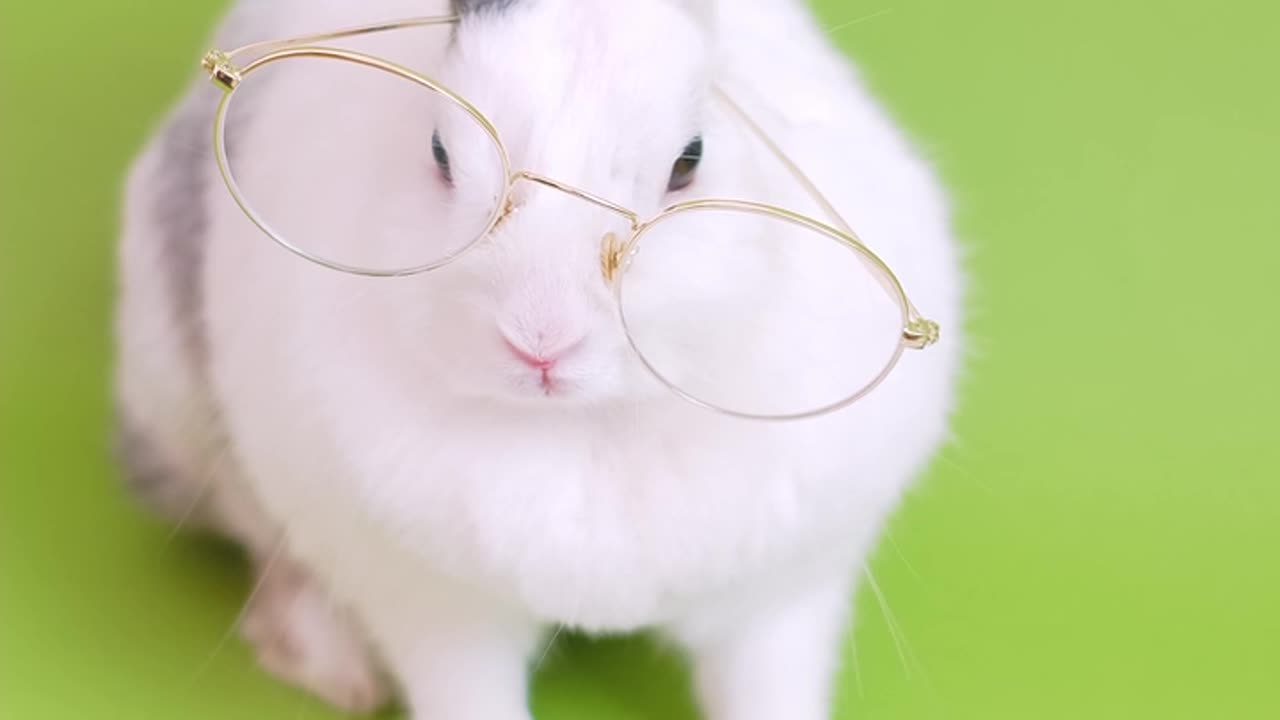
(548, 383)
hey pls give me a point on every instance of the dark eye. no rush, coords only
(442, 157)
(685, 168)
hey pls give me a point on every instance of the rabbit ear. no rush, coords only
(465, 7)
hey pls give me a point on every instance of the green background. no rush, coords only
(1100, 541)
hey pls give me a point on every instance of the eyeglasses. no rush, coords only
(738, 306)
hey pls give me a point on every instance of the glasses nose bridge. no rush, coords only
(632, 218)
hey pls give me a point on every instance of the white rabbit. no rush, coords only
(420, 510)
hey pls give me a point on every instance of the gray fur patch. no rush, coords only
(465, 7)
(179, 211)
(148, 475)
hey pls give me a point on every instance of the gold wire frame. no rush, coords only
(918, 332)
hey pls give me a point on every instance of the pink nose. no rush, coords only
(543, 360)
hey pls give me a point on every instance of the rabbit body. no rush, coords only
(419, 511)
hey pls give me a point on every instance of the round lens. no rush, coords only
(358, 168)
(758, 313)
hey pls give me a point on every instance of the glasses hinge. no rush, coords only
(611, 257)
(920, 333)
(220, 69)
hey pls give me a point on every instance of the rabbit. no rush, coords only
(420, 509)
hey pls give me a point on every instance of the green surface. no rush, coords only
(1100, 542)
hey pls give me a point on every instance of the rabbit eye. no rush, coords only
(442, 157)
(686, 166)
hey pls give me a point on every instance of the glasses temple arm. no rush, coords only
(267, 45)
(918, 328)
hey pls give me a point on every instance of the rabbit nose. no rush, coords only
(543, 357)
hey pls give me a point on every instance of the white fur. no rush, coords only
(418, 472)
